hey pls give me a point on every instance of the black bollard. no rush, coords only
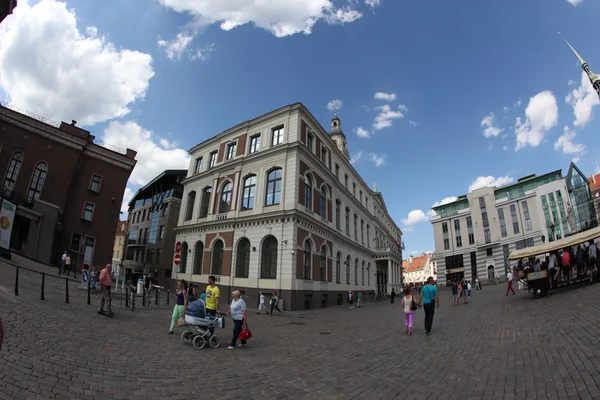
(156, 300)
(67, 290)
(17, 282)
(168, 296)
(126, 297)
(43, 284)
(144, 296)
(89, 290)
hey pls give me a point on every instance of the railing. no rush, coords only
(43, 283)
(18, 198)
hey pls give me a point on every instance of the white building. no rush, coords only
(418, 269)
(274, 205)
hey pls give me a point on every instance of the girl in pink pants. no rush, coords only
(410, 305)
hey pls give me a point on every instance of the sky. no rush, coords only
(436, 97)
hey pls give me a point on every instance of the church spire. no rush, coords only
(594, 80)
(337, 134)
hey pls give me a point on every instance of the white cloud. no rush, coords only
(363, 133)
(565, 143)
(506, 108)
(489, 129)
(572, 82)
(415, 217)
(413, 123)
(356, 157)
(490, 181)
(583, 99)
(373, 3)
(154, 154)
(505, 148)
(387, 115)
(445, 200)
(335, 104)
(378, 159)
(281, 18)
(385, 96)
(49, 67)
(575, 2)
(126, 199)
(576, 159)
(175, 48)
(202, 53)
(541, 115)
(519, 102)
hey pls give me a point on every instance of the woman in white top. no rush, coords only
(408, 301)
(237, 309)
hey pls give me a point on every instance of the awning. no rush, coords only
(555, 245)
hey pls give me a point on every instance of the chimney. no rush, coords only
(131, 154)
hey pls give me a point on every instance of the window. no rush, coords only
(309, 141)
(346, 181)
(249, 193)
(484, 217)
(458, 241)
(37, 181)
(254, 143)
(362, 231)
(338, 217)
(363, 273)
(206, 193)
(198, 166)
(324, 155)
(369, 274)
(338, 268)
(469, 222)
(242, 264)
(323, 264)
(488, 237)
(183, 259)
(216, 267)
(13, 170)
(354, 189)
(161, 232)
(355, 226)
(75, 242)
(231, 147)
(337, 171)
(515, 221)
(198, 256)
(482, 202)
(323, 203)
(456, 225)
(274, 187)
(95, 183)
(307, 260)
(165, 210)
(348, 270)
(189, 208)
(88, 211)
(356, 271)
(268, 264)
(471, 238)
(347, 221)
(488, 251)
(225, 203)
(308, 193)
(502, 222)
(445, 227)
(361, 196)
(526, 214)
(213, 160)
(277, 136)
(446, 244)
(368, 234)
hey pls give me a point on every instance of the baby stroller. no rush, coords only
(201, 326)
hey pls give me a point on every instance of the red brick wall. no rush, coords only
(241, 145)
(221, 154)
(217, 192)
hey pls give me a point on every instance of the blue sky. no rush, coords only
(462, 85)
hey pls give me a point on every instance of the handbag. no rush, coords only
(413, 305)
(181, 322)
(245, 334)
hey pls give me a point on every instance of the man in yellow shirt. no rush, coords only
(212, 297)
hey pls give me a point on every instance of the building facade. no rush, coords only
(418, 269)
(274, 205)
(6, 8)
(119, 244)
(153, 215)
(595, 190)
(68, 189)
(475, 234)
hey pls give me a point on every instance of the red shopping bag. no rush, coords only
(245, 334)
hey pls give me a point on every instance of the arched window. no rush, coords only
(355, 227)
(338, 214)
(338, 269)
(205, 202)
(348, 261)
(323, 203)
(198, 256)
(216, 267)
(362, 231)
(249, 193)
(307, 260)
(308, 193)
(183, 259)
(274, 187)
(37, 181)
(14, 167)
(225, 203)
(323, 264)
(363, 273)
(189, 207)
(347, 221)
(368, 235)
(268, 262)
(242, 263)
(369, 274)
(356, 271)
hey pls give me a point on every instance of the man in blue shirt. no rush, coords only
(429, 299)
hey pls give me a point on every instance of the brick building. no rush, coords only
(275, 205)
(67, 186)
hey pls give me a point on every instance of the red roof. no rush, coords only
(121, 227)
(595, 182)
(417, 264)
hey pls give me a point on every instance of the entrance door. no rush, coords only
(490, 272)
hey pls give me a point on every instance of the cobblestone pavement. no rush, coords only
(500, 347)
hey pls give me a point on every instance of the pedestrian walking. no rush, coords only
(105, 285)
(429, 299)
(274, 305)
(477, 284)
(469, 290)
(180, 304)
(67, 269)
(94, 280)
(454, 287)
(351, 298)
(237, 309)
(261, 303)
(410, 305)
(393, 296)
(509, 284)
(213, 293)
(359, 297)
(465, 292)
(63, 258)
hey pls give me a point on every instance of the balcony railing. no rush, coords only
(17, 198)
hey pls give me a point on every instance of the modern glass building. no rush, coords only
(581, 201)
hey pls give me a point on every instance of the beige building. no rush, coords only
(274, 205)
(119, 245)
(418, 269)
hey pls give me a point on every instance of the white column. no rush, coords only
(389, 285)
